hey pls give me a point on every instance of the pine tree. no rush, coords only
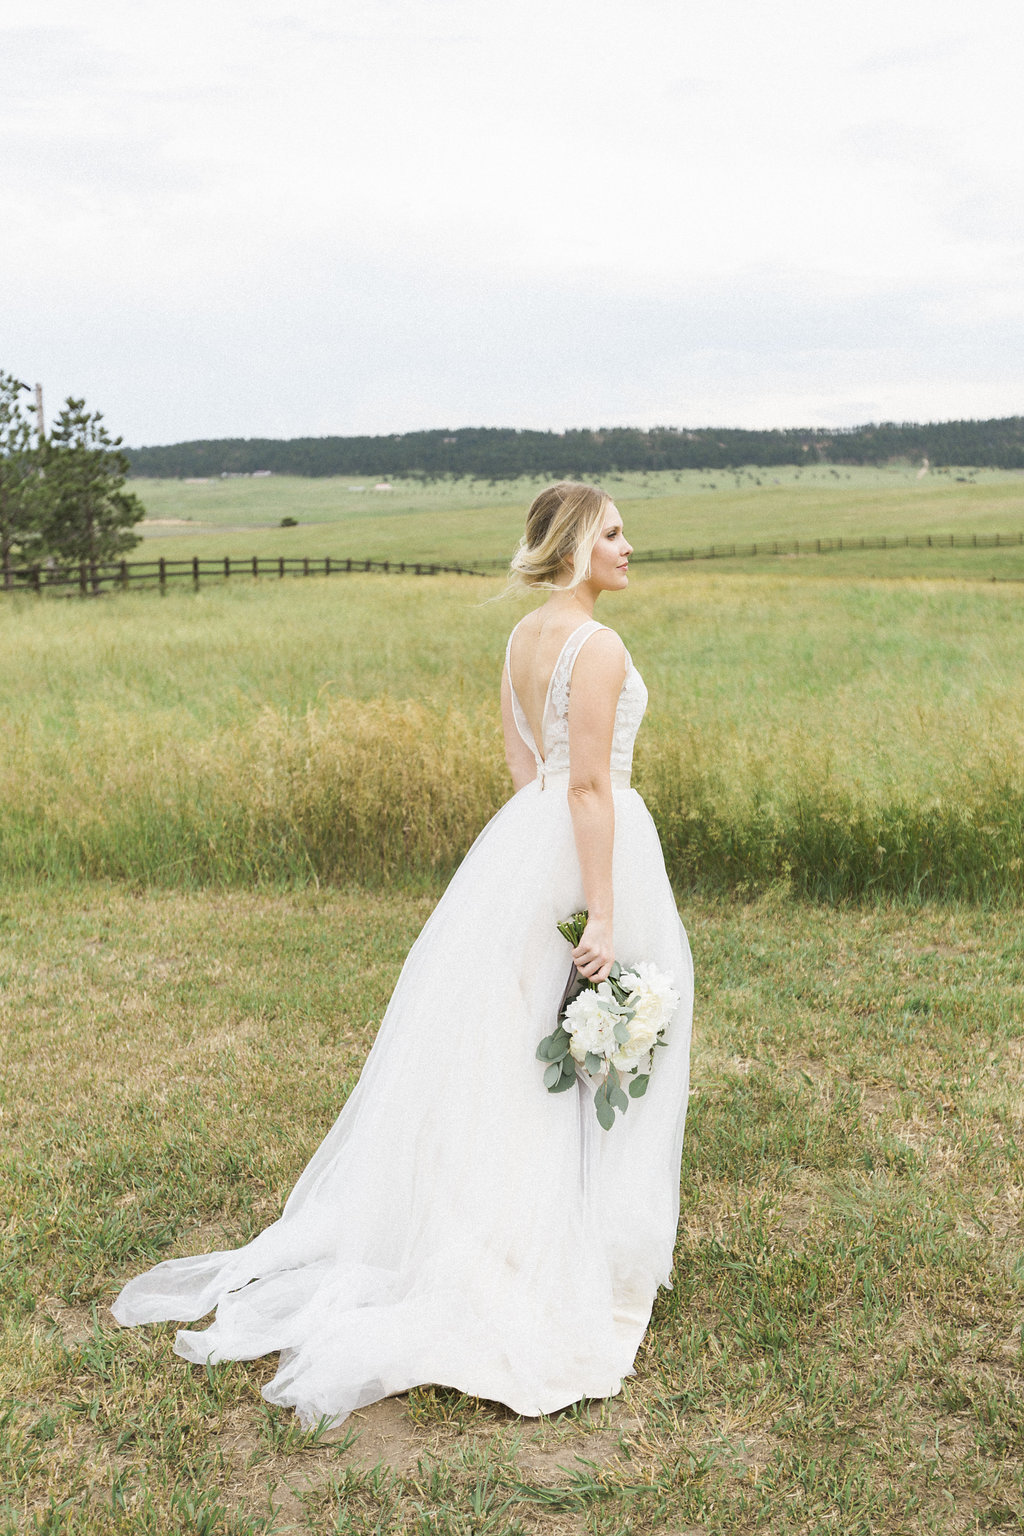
(89, 517)
(20, 498)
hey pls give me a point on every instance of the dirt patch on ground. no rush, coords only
(75, 1323)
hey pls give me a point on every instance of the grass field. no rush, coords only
(840, 738)
(841, 1351)
(225, 814)
(467, 520)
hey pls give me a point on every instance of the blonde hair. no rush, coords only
(562, 526)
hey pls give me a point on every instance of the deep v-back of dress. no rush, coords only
(455, 1214)
(551, 754)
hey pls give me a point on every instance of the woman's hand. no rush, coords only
(595, 951)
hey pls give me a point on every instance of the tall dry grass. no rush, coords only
(391, 791)
(842, 738)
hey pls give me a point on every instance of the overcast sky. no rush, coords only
(285, 217)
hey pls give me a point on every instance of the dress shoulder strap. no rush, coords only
(578, 639)
(508, 648)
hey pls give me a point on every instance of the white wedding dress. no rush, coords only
(458, 1224)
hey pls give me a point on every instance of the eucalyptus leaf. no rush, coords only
(605, 1113)
(568, 1075)
(554, 1046)
(621, 1032)
(594, 1063)
(638, 1087)
(552, 1076)
(613, 1089)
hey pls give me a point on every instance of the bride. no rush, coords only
(458, 1224)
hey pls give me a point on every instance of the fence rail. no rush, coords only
(824, 546)
(838, 545)
(90, 578)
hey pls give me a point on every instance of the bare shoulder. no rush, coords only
(601, 660)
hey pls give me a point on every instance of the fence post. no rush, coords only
(369, 564)
(83, 580)
(255, 565)
(124, 574)
(227, 565)
(348, 565)
(387, 565)
(195, 573)
(305, 566)
(327, 565)
(163, 575)
(36, 577)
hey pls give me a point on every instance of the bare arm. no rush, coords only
(597, 680)
(520, 760)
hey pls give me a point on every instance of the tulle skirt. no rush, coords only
(458, 1224)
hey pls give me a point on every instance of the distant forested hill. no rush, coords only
(500, 453)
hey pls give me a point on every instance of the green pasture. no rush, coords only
(841, 1349)
(843, 739)
(225, 814)
(463, 521)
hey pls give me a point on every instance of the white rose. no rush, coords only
(637, 1049)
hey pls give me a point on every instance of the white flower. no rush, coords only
(591, 1025)
(637, 1049)
(592, 1016)
(657, 999)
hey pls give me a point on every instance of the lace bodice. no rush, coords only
(552, 756)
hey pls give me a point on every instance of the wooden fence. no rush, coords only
(91, 578)
(829, 546)
(825, 546)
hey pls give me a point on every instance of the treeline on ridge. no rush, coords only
(503, 453)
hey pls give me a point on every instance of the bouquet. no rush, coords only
(610, 1029)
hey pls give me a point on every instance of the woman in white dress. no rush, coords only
(458, 1224)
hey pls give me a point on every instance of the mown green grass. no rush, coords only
(842, 739)
(466, 520)
(841, 1350)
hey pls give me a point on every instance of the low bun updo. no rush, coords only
(562, 527)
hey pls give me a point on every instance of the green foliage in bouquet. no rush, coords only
(555, 1049)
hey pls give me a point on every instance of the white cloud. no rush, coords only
(293, 215)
